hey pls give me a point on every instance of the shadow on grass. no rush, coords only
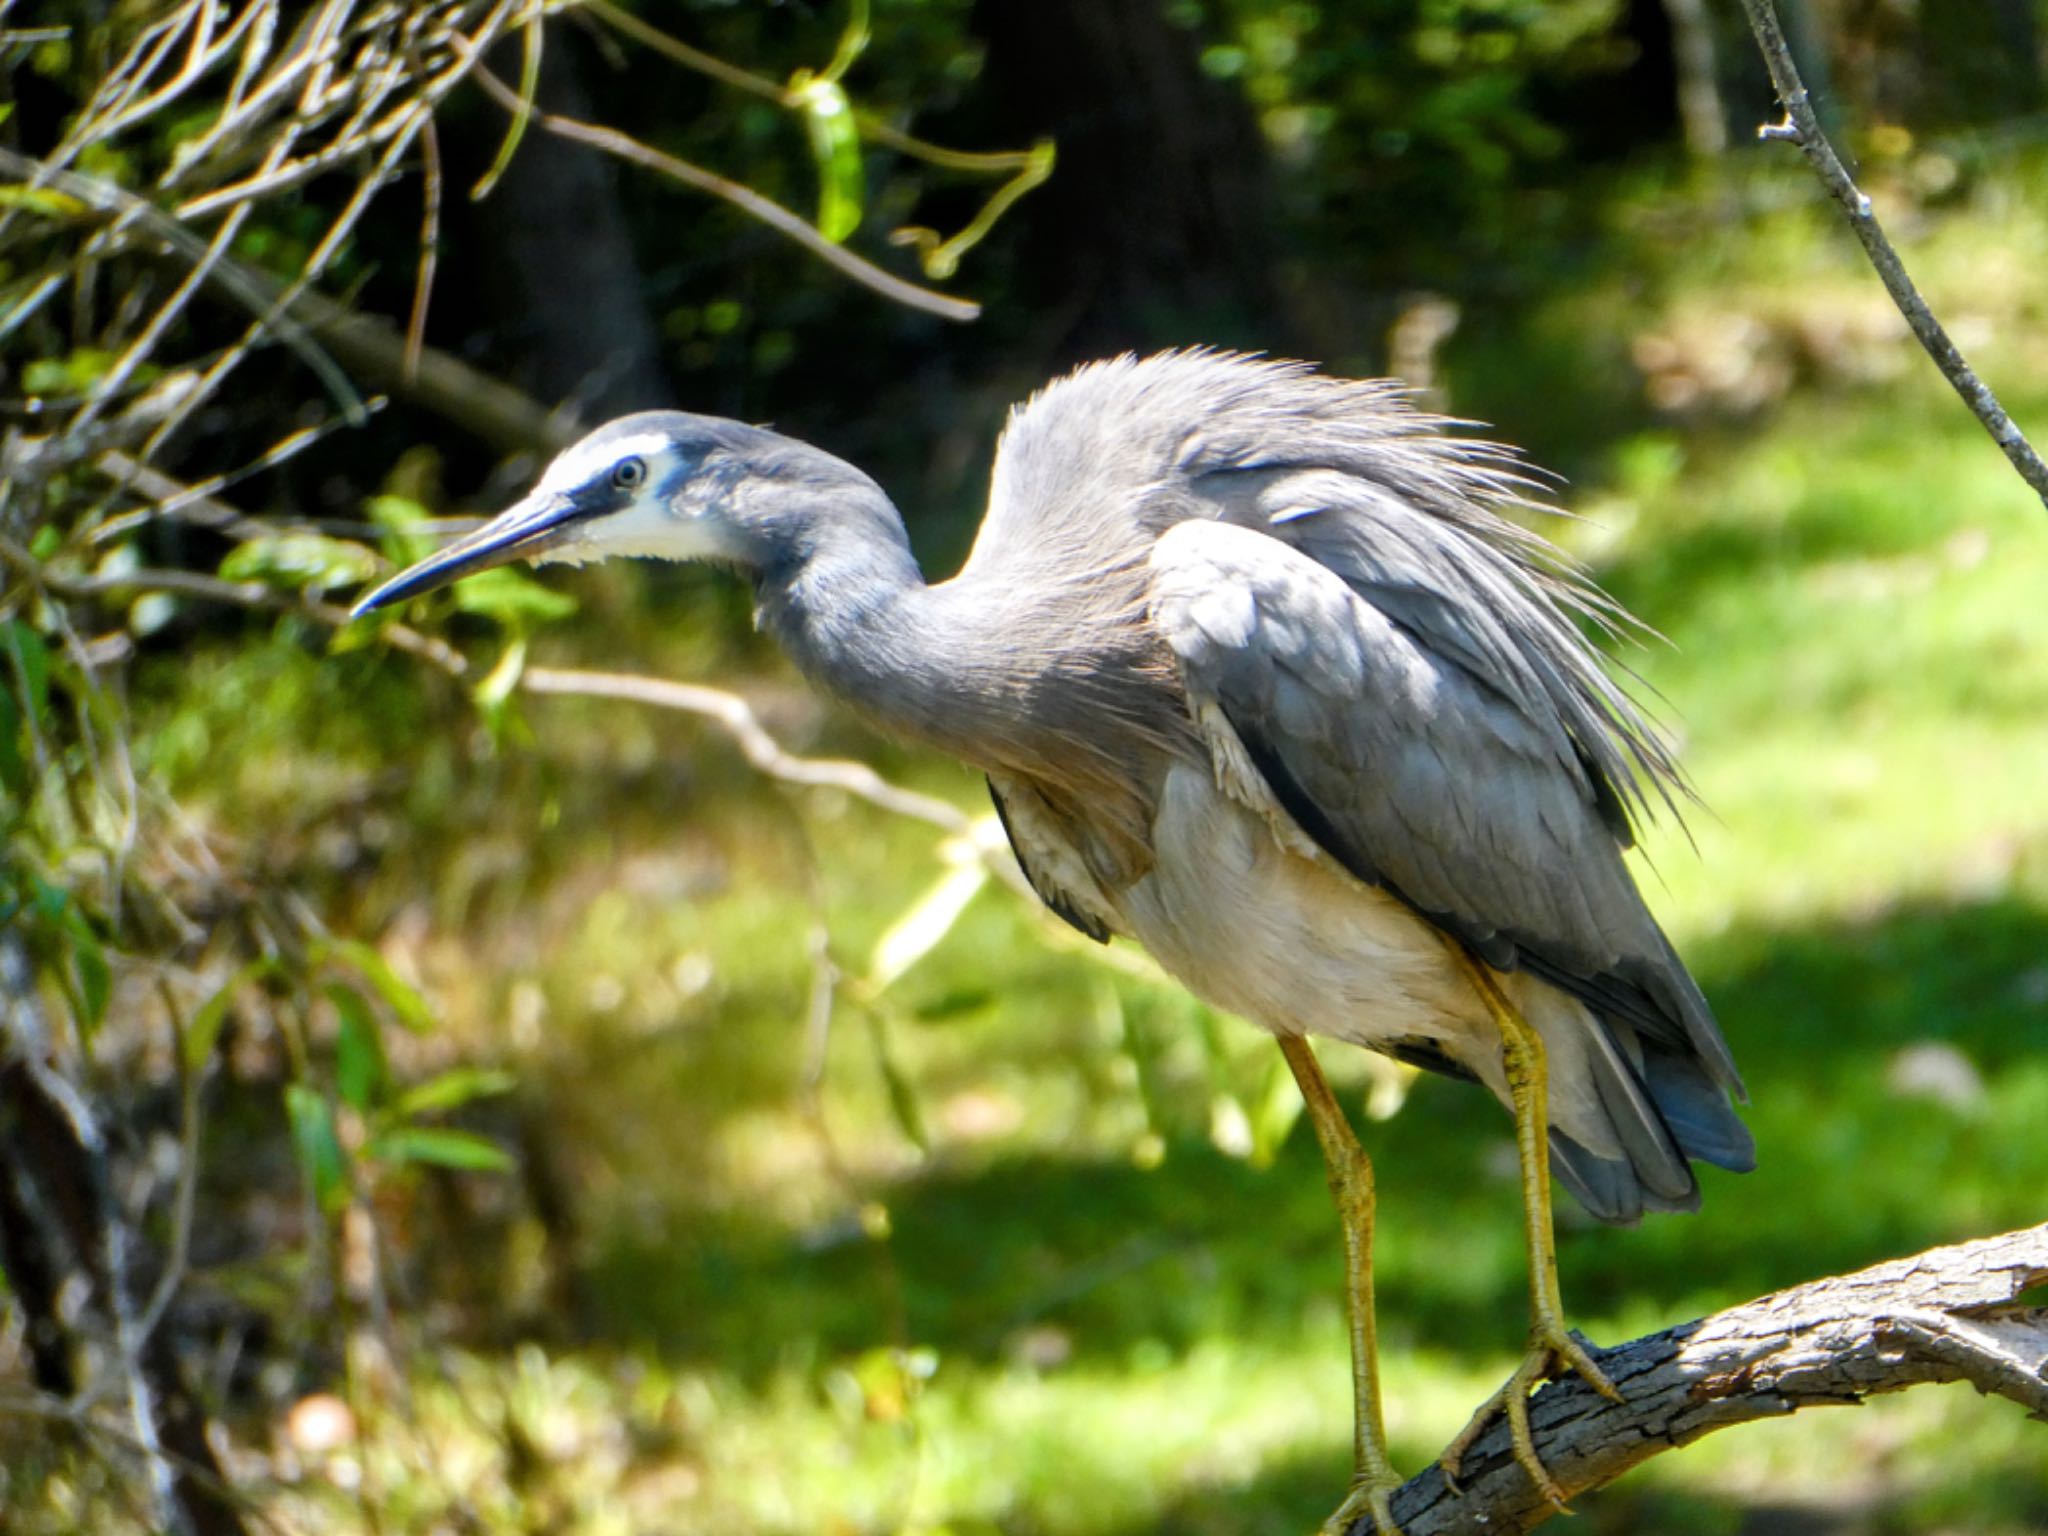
(1122, 1262)
(1292, 1496)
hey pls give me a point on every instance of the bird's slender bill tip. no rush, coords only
(519, 533)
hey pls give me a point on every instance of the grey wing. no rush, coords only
(1477, 808)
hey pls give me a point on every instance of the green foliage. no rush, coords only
(835, 147)
(439, 1147)
(300, 562)
(389, 1118)
(24, 707)
(1410, 126)
(60, 920)
(75, 372)
(321, 1158)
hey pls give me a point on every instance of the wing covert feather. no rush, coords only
(1472, 807)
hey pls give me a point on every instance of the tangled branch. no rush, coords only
(218, 159)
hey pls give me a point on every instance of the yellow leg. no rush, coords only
(1373, 1478)
(1551, 1346)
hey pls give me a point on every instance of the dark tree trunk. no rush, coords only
(1157, 226)
(554, 255)
(1982, 60)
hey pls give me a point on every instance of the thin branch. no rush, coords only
(727, 710)
(102, 196)
(1949, 1314)
(185, 1202)
(430, 251)
(778, 218)
(873, 127)
(1802, 127)
(759, 748)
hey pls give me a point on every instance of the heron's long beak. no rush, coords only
(520, 532)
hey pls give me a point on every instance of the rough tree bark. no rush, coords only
(1950, 1314)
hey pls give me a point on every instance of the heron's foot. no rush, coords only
(1552, 1351)
(1371, 1497)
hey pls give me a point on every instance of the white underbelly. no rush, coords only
(1296, 944)
(1293, 943)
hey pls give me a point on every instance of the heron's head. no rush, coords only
(661, 484)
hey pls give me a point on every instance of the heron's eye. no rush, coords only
(629, 474)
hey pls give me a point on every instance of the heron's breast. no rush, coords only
(1285, 938)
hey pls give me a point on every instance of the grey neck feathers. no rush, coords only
(1054, 681)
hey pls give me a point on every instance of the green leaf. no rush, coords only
(312, 562)
(443, 1148)
(50, 901)
(319, 1149)
(68, 928)
(41, 199)
(14, 774)
(204, 1031)
(405, 523)
(835, 147)
(29, 656)
(902, 1097)
(77, 371)
(89, 961)
(497, 686)
(402, 999)
(529, 85)
(510, 596)
(359, 1068)
(448, 1090)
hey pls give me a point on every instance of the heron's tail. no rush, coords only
(1663, 1112)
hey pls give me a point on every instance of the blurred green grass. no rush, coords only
(1073, 1314)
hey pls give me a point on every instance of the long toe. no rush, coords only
(1552, 1351)
(1371, 1498)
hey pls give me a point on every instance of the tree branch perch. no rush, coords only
(1950, 1314)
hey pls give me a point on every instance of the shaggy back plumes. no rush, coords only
(1093, 468)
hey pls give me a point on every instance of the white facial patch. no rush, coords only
(645, 530)
(586, 461)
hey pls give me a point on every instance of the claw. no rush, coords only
(1371, 1495)
(1552, 1351)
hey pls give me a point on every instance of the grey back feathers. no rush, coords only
(1351, 474)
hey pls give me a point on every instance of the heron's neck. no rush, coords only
(855, 614)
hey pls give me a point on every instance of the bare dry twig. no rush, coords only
(1950, 1314)
(769, 212)
(1801, 126)
(728, 711)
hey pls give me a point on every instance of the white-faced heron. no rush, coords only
(1262, 678)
